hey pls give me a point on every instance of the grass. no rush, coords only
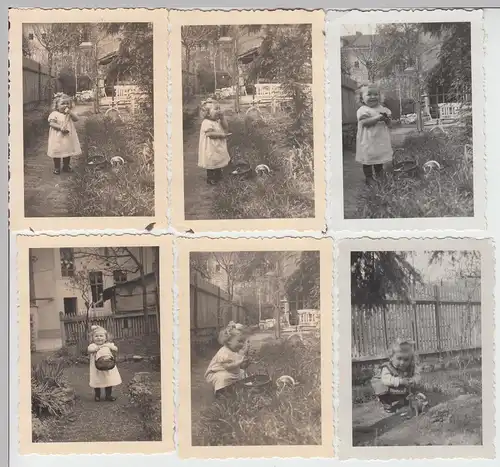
(441, 193)
(291, 416)
(126, 190)
(289, 191)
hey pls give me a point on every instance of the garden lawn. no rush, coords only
(100, 421)
(441, 193)
(125, 190)
(291, 416)
(288, 192)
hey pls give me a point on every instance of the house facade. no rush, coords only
(62, 280)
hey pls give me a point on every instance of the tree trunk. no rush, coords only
(50, 59)
(96, 82)
(236, 72)
(144, 293)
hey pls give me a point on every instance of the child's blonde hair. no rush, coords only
(207, 106)
(58, 97)
(402, 345)
(364, 88)
(231, 330)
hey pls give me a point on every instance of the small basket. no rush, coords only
(105, 363)
(256, 382)
(405, 169)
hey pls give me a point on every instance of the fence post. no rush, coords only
(415, 323)
(386, 339)
(437, 313)
(218, 324)
(61, 325)
(195, 302)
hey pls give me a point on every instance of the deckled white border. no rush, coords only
(335, 21)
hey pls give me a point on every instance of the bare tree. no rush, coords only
(192, 37)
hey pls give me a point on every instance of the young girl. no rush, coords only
(102, 379)
(63, 139)
(212, 153)
(228, 365)
(373, 141)
(394, 379)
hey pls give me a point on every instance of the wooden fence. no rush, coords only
(349, 103)
(36, 79)
(437, 320)
(74, 330)
(211, 309)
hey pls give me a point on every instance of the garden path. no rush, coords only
(354, 180)
(45, 194)
(100, 421)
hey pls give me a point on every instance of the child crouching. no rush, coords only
(228, 365)
(394, 379)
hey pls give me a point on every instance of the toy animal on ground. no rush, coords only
(418, 403)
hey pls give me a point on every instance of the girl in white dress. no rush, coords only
(373, 141)
(102, 379)
(63, 139)
(212, 151)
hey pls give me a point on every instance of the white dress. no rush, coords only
(63, 145)
(373, 143)
(218, 375)
(98, 378)
(212, 152)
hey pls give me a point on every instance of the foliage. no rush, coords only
(135, 54)
(454, 70)
(287, 193)
(288, 416)
(127, 190)
(26, 47)
(50, 392)
(466, 263)
(39, 429)
(142, 397)
(305, 280)
(378, 275)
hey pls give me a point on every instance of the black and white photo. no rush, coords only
(87, 119)
(95, 344)
(410, 91)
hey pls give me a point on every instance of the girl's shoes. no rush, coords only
(97, 398)
(212, 182)
(110, 398)
(56, 172)
(67, 169)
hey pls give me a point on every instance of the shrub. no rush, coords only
(142, 397)
(35, 124)
(126, 190)
(445, 193)
(39, 430)
(50, 392)
(288, 192)
(279, 416)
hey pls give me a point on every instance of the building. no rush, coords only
(61, 279)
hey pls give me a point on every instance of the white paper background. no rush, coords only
(492, 67)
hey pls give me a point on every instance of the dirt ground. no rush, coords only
(45, 194)
(101, 421)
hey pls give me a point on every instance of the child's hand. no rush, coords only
(64, 131)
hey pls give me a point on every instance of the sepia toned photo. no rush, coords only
(248, 118)
(419, 361)
(95, 347)
(256, 353)
(411, 95)
(83, 142)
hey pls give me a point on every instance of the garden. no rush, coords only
(64, 410)
(281, 414)
(454, 390)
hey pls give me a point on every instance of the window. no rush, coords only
(30, 36)
(119, 276)
(217, 268)
(70, 306)
(96, 286)
(67, 262)
(356, 64)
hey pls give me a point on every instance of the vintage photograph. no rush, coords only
(248, 114)
(95, 345)
(258, 340)
(421, 351)
(87, 96)
(408, 141)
